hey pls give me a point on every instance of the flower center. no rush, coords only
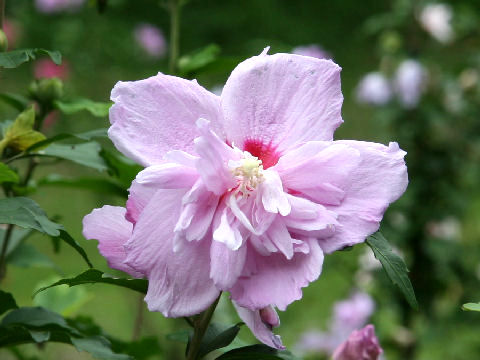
(248, 172)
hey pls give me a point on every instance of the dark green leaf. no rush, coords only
(124, 169)
(26, 213)
(393, 265)
(216, 337)
(104, 186)
(7, 302)
(471, 307)
(26, 255)
(7, 175)
(35, 324)
(12, 59)
(34, 317)
(257, 352)
(99, 347)
(142, 349)
(86, 154)
(17, 101)
(93, 276)
(99, 109)
(83, 136)
(40, 336)
(18, 235)
(193, 62)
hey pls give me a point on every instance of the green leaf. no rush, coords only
(119, 166)
(99, 347)
(94, 276)
(7, 175)
(20, 134)
(83, 136)
(257, 352)
(34, 317)
(40, 336)
(142, 349)
(86, 154)
(471, 307)
(104, 186)
(7, 302)
(197, 60)
(99, 109)
(61, 299)
(393, 265)
(26, 213)
(26, 255)
(12, 59)
(17, 101)
(16, 238)
(36, 324)
(216, 337)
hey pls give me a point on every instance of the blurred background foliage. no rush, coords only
(435, 225)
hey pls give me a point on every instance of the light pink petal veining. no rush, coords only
(260, 329)
(274, 199)
(179, 282)
(213, 161)
(277, 281)
(109, 227)
(153, 116)
(226, 264)
(379, 179)
(153, 178)
(282, 100)
(319, 170)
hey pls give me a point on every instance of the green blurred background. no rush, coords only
(100, 49)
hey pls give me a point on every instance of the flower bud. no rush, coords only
(3, 41)
(46, 91)
(360, 345)
(269, 317)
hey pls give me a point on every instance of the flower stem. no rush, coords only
(174, 7)
(3, 253)
(201, 323)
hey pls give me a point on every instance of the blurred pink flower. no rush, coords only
(46, 68)
(53, 6)
(436, 18)
(409, 82)
(374, 89)
(360, 345)
(348, 315)
(151, 39)
(313, 51)
(242, 193)
(12, 30)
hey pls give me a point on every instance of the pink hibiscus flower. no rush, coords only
(244, 192)
(361, 345)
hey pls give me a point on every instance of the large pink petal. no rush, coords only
(179, 282)
(153, 178)
(272, 103)
(260, 329)
(319, 170)
(379, 179)
(227, 264)
(276, 280)
(158, 114)
(109, 227)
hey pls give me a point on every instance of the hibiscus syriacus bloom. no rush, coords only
(241, 193)
(361, 345)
